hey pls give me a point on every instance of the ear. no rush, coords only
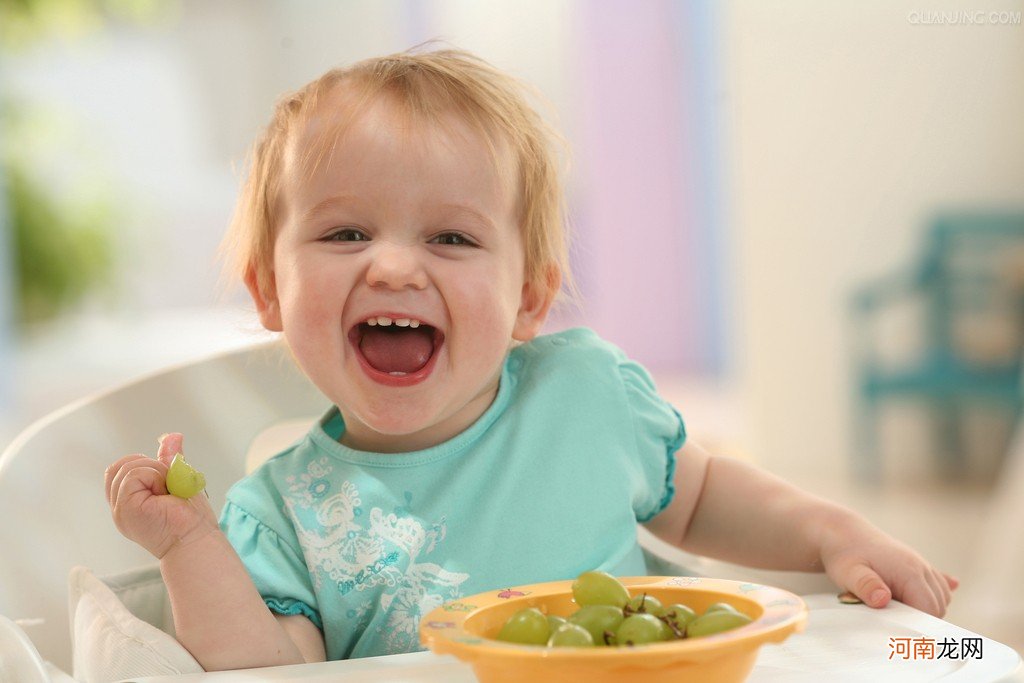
(535, 305)
(266, 301)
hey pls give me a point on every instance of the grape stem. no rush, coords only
(628, 610)
(671, 624)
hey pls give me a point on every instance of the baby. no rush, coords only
(402, 226)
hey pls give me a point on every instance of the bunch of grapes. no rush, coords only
(607, 615)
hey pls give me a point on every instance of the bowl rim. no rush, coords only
(442, 630)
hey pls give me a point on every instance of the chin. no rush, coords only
(391, 425)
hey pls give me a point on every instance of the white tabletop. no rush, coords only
(841, 643)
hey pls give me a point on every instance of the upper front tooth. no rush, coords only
(381, 320)
(414, 323)
(403, 322)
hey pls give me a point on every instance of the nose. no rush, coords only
(396, 267)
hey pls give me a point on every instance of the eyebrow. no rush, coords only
(328, 204)
(337, 201)
(473, 213)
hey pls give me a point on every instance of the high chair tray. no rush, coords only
(841, 643)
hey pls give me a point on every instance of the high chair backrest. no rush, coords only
(53, 513)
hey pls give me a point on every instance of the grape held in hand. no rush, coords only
(183, 480)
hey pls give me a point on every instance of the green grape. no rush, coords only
(666, 631)
(571, 635)
(715, 622)
(183, 480)
(554, 621)
(599, 588)
(598, 619)
(644, 603)
(639, 629)
(720, 607)
(678, 617)
(528, 626)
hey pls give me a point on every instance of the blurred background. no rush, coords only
(807, 218)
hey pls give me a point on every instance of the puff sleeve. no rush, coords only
(275, 565)
(659, 432)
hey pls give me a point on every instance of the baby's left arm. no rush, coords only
(732, 511)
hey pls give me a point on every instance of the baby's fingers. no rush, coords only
(923, 593)
(170, 445)
(866, 584)
(116, 472)
(145, 473)
(142, 478)
(137, 484)
(945, 592)
(940, 593)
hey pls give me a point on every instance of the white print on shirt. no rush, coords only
(382, 551)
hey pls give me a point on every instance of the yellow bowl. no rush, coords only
(467, 628)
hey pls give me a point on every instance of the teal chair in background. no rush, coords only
(967, 289)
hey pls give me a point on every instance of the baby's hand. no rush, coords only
(145, 512)
(876, 568)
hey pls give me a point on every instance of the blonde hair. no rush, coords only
(426, 85)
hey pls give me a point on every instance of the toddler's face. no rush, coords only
(412, 223)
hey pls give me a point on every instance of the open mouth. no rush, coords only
(397, 347)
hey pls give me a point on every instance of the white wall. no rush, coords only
(847, 126)
(167, 111)
(161, 115)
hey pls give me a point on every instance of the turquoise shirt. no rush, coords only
(550, 481)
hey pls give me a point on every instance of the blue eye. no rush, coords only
(346, 235)
(454, 239)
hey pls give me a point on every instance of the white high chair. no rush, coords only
(52, 503)
(235, 410)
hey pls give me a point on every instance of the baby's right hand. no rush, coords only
(145, 512)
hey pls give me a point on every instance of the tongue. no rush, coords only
(397, 349)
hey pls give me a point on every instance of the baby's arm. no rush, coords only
(219, 615)
(733, 511)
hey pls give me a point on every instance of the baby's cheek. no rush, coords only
(492, 296)
(491, 321)
(489, 343)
